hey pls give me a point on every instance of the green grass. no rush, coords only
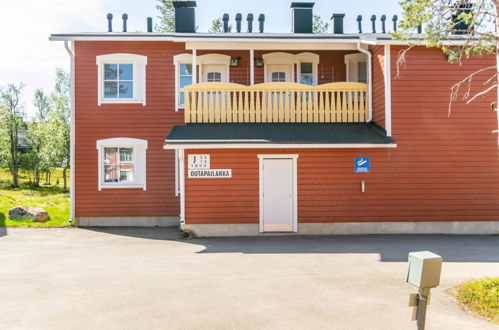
(480, 297)
(52, 198)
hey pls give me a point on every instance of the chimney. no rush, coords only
(124, 17)
(302, 16)
(149, 24)
(225, 19)
(239, 18)
(261, 22)
(338, 23)
(185, 16)
(250, 22)
(109, 22)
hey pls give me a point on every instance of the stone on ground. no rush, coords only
(34, 213)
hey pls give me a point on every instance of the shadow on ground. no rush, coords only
(391, 248)
(3, 229)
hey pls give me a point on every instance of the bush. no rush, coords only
(481, 297)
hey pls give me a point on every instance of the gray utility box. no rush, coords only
(424, 269)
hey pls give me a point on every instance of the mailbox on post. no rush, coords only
(424, 269)
(424, 272)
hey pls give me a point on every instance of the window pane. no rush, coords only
(110, 71)
(307, 79)
(110, 155)
(110, 89)
(306, 67)
(186, 69)
(185, 80)
(181, 98)
(110, 173)
(126, 155)
(126, 71)
(362, 72)
(126, 90)
(278, 76)
(126, 175)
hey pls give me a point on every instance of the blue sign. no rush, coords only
(362, 165)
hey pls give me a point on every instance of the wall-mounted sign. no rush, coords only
(220, 173)
(362, 165)
(197, 162)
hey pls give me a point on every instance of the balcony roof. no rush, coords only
(296, 135)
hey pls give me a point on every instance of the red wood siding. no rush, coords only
(445, 168)
(151, 122)
(378, 89)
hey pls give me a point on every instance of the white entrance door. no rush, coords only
(214, 73)
(279, 73)
(278, 194)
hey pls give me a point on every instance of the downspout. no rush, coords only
(72, 132)
(369, 79)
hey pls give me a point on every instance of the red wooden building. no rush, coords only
(245, 133)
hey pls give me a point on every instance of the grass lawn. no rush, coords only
(52, 198)
(480, 297)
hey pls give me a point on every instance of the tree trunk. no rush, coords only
(64, 177)
(37, 177)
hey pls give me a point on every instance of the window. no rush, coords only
(118, 81)
(278, 76)
(214, 77)
(185, 79)
(121, 78)
(357, 69)
(122, 163)
(306, 73)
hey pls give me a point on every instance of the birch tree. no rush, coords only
(473, 23)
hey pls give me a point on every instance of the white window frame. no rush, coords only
(139, 63)
(202, 61)
(352, 64)
(139, 162)
(308, 58)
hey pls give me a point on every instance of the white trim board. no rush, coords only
(223, 145)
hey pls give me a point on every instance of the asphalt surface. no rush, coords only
(152, 279)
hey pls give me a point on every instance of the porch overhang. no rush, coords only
(279, 135)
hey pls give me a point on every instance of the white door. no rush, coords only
(278, 195)
(279, 73)
(214, 73)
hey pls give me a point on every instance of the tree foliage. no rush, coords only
(12, 126)
(473, 23)
(319, 26)
(166, 17)
(217, 26)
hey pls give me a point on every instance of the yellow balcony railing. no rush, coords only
(283, 102)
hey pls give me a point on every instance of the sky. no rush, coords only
(28, 56)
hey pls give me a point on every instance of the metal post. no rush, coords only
(421, 309)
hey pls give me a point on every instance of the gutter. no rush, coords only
(369, 78)
(72, 132)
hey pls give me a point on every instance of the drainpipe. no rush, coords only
(369, 79)
(72, 132)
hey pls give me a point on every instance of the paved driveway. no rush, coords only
(151, 279)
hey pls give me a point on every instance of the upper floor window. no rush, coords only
(356, 65)
(278, 76)
(213, 77)
(122, 163)
(306, 73)
(185, 79)
(121, 78)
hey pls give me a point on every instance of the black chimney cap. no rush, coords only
(184, 4)
(302, 4)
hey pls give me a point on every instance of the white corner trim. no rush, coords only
(72, 171)
(388, 91)
(139, 162)
(182, 185)
(294, 158)
(139, 77)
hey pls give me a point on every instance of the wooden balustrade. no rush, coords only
(282, 102)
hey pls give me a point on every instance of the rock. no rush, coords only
(36, 214)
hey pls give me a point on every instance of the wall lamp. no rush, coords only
(234, 61)
(259, 62)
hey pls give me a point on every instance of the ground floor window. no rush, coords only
(122, 163)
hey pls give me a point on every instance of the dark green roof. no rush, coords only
(341, 133)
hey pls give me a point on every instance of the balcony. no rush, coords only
(277, 102)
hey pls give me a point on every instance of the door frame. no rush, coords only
(294, 158)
